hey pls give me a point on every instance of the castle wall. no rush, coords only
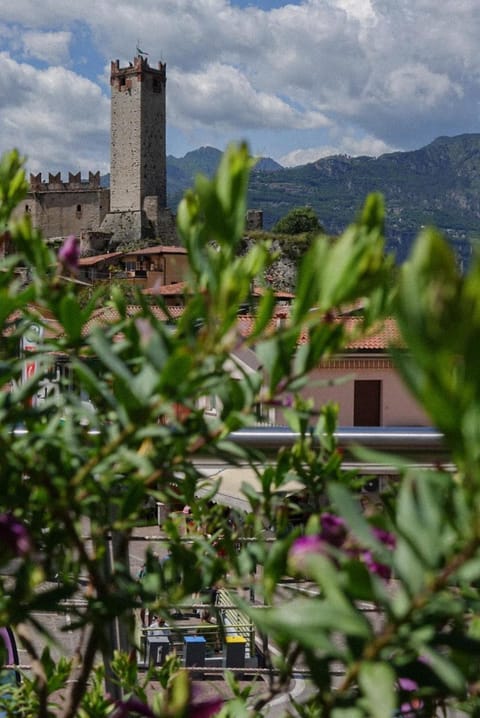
(58, 209)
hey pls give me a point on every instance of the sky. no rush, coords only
(297, 80)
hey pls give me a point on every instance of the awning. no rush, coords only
(231, 480)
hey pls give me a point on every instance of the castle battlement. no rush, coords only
(121, 77)
(55, 183)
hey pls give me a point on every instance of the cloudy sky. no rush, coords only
(298, 80)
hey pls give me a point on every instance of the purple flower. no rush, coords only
(385, 537)
(205, 709)
(408, 685)
(14, 535)
(380, 569)
(333, 530)
(132, 706)
(69, 253)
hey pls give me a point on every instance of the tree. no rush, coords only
(66, 466)
(298, 221)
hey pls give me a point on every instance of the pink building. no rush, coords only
(364, 383)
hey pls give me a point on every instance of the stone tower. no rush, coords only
(137, 151)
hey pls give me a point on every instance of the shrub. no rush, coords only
(68, 465)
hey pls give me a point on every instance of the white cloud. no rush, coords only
(51, 47)
(200, 98)
(388, 73)
(54, 117)
(351, 146)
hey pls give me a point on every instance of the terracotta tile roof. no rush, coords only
(386, 335)
(166, 290)
(97, 258)
(179, 288)
(157, 249)
(377, 340)
(260, 291)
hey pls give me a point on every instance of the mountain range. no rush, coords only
(438, 184)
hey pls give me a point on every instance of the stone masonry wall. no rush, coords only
(58, 213)
(138, 158)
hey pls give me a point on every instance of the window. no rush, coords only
(367, 402)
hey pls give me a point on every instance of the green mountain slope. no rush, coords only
(181, 171)
(438, 184)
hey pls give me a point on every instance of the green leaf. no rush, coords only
(350, 510)
(311, 622)
(446, 670)
(71, 317)
(377, 682)
(421, 517)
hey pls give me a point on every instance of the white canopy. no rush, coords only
(230, 491)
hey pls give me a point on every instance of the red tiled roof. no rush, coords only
(386, 335)
(89, 261)
(177, 288)
(157, 249)
(376, 340)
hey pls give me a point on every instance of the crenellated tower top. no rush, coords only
(121, 77)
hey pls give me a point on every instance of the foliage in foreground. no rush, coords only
(71, 469)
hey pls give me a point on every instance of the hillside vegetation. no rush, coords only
(436, 185)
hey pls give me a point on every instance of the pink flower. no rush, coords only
(69, 253)
(306, 545)
(302, 548)
(14, 535)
